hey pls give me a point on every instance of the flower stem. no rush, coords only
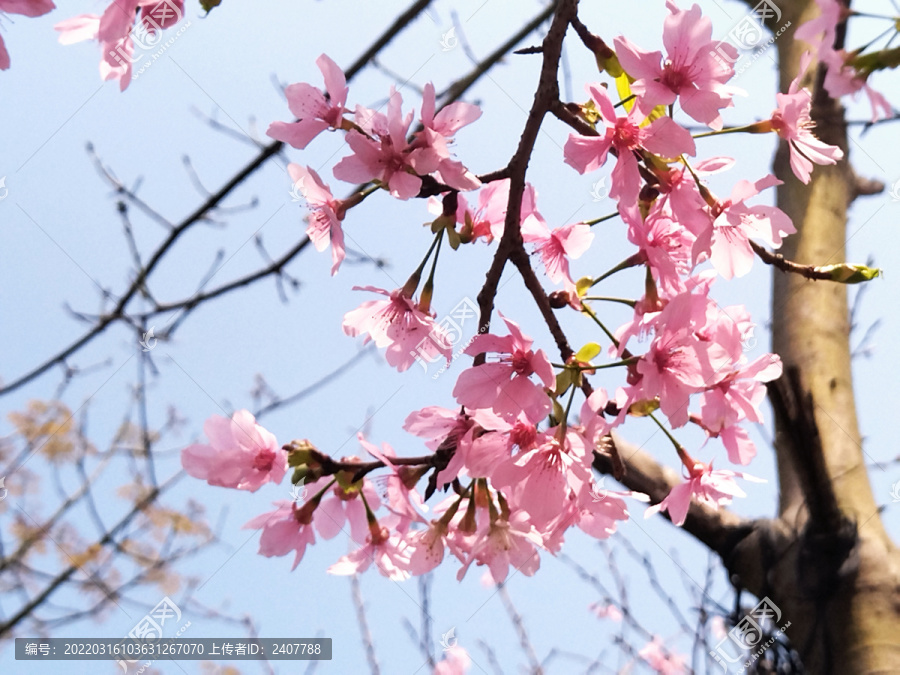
(678, 446)
(601, 219)
(630, 261)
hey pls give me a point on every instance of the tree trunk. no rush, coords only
(835, 573)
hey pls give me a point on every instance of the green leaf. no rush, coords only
(643, 408)
(207, 5)
(583, 285)
(589, 351)
(564, 380)
(847, 273)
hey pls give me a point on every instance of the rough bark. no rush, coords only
(839, 579)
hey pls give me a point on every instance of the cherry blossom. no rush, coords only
(401, 497)
(606, 610)
(390, 159)
(283, 531)
(736, 223)
(556, 246)
(437, 134)
(538, 480)
(397, 324)
(667, 247)
(691, 72)
(314, 112)
(30, 8)
(505, 385)
(625, 135)
(678, 363)
(712, 488)
(736, 397)
(661, 659)
(389, 552)
(325, 213)
(340, 507)
(241, 454)
(504, 543)
(456, 661)
(793, 123)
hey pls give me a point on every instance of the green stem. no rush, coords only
(602, 219)
(630, 261)
(625, 100)
(624, 301)
(413, 282)
(755, 128)
(678, 446)
(428, 289)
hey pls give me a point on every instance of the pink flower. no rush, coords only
(339, 507)
(78, 28)
(389, 552)
(793, 123)
(399, 486)
(426, 548)
(325, 213)
(666, 245)
(392, 161)
(736, 223)
(710, 488)
(821, 31)
(692, 71)
(313, 111)
(456, 662)
(606, 610)
(538, 481)
(505, 543)
(661, 659)
(396, 323)
(602, 510)
(676, 366)
(505, 385)
(556, 246)
(241, 454)
(738, 396)
(842, 78)
(29, 8)
(500, 435)
(626, 136)
(593, 418)
(681, 195)
(437, 133)
(448, 430)
(489, 217)
(283, 532)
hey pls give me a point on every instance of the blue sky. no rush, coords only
(62, 239)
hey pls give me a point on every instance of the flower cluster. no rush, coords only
(515, 454)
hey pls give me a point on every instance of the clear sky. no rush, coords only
(62, 239)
